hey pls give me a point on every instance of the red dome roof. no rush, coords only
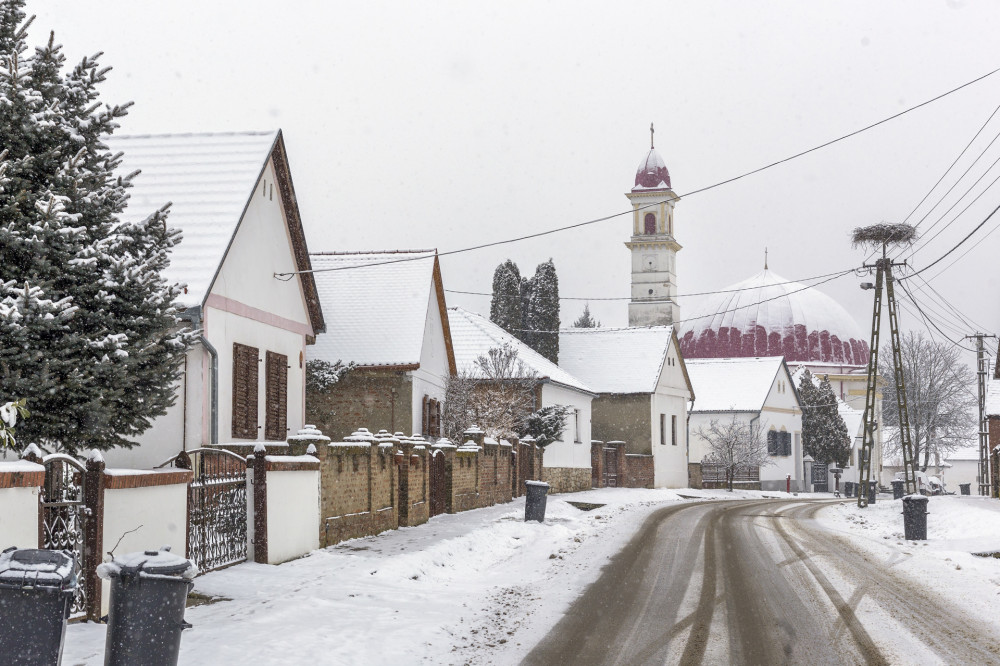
(652, 173)
(767, 315)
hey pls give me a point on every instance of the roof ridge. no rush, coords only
(347, 253)
(159, 135)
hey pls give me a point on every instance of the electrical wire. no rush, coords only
(288, 275)
(968, 321)
(955, 247)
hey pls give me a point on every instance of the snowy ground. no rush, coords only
(482, 587)
(957, 527)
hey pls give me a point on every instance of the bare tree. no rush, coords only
(736, 445)
(939, 395)
(497, 394)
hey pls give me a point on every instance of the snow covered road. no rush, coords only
(763, 582)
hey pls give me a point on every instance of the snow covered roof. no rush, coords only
(376, 305)
(209, 179)
(964, 453)
(767, 315)
(993, 397)
(652, 173)
(473, 335)
(616, 360)
(732, 384)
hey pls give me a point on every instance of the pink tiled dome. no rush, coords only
(652, 173)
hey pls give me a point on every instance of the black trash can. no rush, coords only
(915, 517)
(872, 491)
(897, 490)
(534, 502)
(148, 594)
(848, 489)
(36, 593)
(966, 488)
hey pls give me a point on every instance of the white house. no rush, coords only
(566, 465)
(750, 389)
(232, 197)
(387, 315)
(643, 392)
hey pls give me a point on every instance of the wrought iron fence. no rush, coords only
(63, 514)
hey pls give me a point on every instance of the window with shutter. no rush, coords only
(772, 442)
(435, 418)
(276, 397)
(786, 443)
(425, 416)
(244, 391)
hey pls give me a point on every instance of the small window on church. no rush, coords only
(650, 223)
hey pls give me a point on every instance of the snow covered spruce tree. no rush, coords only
(94, 347)
(824, 433)
(585, 320)
(543, 311)
(505, 307)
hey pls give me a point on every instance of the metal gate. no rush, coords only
(610, 467)
(63, 515)
(820, 477)
(217, 507)
(438, 503)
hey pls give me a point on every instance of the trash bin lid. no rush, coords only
(159, 562)
(915, 498)
(36, 567)
(536, 483)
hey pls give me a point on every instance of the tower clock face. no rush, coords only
(649, 263)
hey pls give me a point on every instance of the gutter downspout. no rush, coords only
(194, 316)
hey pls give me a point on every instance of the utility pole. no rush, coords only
(982, 371)
(882, 235)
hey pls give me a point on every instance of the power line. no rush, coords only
(968, 321)
(955, 247)
(961, 256)
(628, 298)
(288, 275)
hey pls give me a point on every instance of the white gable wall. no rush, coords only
(670, 459)
(568, 452)
(429, 379)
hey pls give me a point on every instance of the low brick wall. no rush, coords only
(638, 471)
(465, 480)
(567, 479)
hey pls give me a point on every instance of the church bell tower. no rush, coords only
(654, 250)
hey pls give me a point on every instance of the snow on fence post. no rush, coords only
(20, 494)
(291, 498)
(93, 532)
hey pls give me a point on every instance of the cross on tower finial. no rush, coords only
(650, 136)
(765, 258)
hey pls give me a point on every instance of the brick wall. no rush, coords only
(378, 397)
(638, 470)
(465, 480)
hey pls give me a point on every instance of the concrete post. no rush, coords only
(93, 532)
(807, 471)
(259, 465)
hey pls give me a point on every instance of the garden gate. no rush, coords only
(820, 477)
(217, 507)
(438, 488)
(610, 467)
(63, 515)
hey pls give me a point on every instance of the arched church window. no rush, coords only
(650, 223)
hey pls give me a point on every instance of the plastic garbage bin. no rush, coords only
(36, 594)
(148, 594)
(848, 489)
(534, 503)
(966, 488)
(897, 490)
(915, 517)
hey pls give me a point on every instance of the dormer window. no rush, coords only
(650, 221)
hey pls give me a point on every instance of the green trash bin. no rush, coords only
(148, 595)
(36, 594)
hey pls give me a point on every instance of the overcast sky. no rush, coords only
(449, 124)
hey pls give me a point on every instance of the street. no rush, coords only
(758, 583)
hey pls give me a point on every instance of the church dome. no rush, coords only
(766, 315)
(652, 173)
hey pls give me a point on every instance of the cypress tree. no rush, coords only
(824, 433)
(94, 347)
(585, 320)
(505, 308)
(543, 311)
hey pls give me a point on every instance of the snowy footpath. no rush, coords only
(482, 587)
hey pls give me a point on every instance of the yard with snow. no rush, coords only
(483, 586)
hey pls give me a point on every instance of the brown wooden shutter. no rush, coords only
(425, 416)
(244, 391)
(276, 400)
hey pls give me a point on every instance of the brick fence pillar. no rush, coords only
(596, 463)
(260, 504)
(93, 532)
(406, 445)
(475, 434)
(448, 449)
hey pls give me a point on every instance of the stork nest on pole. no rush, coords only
(877, 235)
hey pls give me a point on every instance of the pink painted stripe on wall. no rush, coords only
(256, 314)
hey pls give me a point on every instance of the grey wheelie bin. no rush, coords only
(36, 593)
(148, 595)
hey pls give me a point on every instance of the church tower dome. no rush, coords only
(653, 246)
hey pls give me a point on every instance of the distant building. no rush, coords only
(643, 392)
